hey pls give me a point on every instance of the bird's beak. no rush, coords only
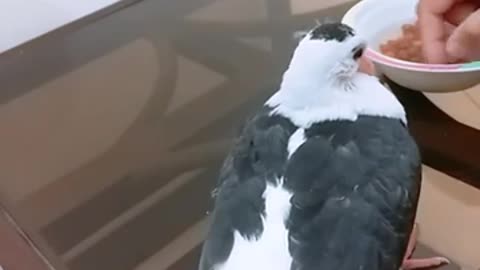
(366, 66)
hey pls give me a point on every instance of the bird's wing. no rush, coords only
(258, 153)
(356, 190)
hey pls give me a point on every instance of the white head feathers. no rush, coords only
(329, 51)
(322, 81)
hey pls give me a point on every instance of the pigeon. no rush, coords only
(325, 175)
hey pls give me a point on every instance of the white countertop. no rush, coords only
(23, 20)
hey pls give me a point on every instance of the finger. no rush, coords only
(463, 43)
(459, 12)
(432, 29)
(449, 28)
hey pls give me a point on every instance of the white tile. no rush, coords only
(449, 217)
(462, 106)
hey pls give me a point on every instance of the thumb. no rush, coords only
(465, 39)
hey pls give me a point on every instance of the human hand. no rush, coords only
(450, 30)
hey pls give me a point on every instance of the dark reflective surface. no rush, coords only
(112, 131)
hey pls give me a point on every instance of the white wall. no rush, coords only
(22, 20)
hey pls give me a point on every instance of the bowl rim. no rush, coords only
(350, 17)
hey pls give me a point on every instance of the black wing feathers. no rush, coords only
(356, 187)
(258, 155)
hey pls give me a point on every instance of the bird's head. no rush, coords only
(328, 52)
(323, 81)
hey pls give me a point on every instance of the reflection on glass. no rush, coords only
(112, 134)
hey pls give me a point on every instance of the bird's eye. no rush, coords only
(357, 52)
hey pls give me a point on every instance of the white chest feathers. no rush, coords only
(309, 104)
(270, 250)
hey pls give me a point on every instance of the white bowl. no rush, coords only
(380, 20)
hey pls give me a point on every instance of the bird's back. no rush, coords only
(336, 195)
(355, 188)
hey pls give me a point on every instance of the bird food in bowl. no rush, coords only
(396, 50)
(407, 47)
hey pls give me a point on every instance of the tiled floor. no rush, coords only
(112, 139)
